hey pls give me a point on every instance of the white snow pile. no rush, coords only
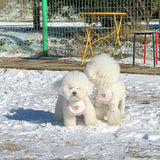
(28, 129)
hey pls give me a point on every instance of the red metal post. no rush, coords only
(145, 42)
(156, 49)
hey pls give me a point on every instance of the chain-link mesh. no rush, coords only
(20, 29)
(21, 25)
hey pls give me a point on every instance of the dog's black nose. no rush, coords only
(74, 93)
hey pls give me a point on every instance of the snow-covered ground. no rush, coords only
(28, 129)
(27, 104)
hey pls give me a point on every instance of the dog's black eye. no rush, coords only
(70, 88)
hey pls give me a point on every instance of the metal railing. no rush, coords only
(21, 25)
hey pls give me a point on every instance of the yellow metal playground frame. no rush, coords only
(90, 28)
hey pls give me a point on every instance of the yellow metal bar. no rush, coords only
(108, 42)
(102, 38)
(115, 21)
(96, 41)
(103, 13)
(84, 54)
(121, 51)
(89, 36)
(92, 23)
(117, 38)
(85, 23)
(88, 44)
(102, 27)
(106, 36)
(120, 23)
(90, 29)
(110, 34)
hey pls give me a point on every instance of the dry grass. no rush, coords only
(10, 147)
(135, 152)
(69, 159)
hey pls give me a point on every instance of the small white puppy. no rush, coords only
(73, 100)
(104, 72)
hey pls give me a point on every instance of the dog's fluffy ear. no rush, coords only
(61, 90)
(58, 86)
(89, 88)
(90, 71)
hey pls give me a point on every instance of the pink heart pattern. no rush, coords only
(76, 107)
(103, 95)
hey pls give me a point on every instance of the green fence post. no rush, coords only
(45, 29)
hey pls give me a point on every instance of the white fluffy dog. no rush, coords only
(73, 100)
(104, 72)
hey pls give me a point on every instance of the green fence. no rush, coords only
(21, 26)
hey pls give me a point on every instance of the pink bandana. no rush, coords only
(105, 97)
(76, 108)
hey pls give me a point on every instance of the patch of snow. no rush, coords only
(28, 128)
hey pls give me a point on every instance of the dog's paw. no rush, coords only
(114, 117)
(114, 123)
(91, 123)
(123, 116)
(70, 124)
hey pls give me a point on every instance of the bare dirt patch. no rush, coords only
(66, 65)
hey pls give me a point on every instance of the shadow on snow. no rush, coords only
(33, 116)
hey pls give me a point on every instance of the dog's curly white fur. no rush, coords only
(75, 88)
(104, 72)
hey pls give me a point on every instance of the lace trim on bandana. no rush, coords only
(78, 108)
(105, 101)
